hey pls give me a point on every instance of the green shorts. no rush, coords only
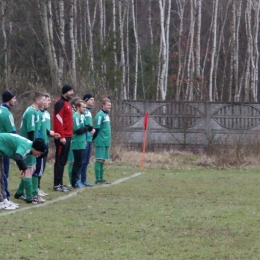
(30, 160)
(102, 152)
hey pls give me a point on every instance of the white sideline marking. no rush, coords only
(71, 194)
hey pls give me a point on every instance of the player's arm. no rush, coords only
(98, 121)
(80, 130)
(83, 130)
(30, 135)
(58, 118)
(20, 163)
(96, 133)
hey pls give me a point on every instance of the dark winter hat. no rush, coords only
(7, 95)
(39, 145)
(66, 88)
(87, 97)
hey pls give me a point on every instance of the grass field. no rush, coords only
(180, 212)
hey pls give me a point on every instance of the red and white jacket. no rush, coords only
(62, 118)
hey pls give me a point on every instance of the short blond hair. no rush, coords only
(105, 100)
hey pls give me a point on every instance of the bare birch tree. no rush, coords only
(72, 43)
(236, 52)
(248, 17)
(164, 52)
(136, 51)
(90, 31)
(198, 49)
(217, 87)
(190, 66)
(181, 5)
(44, 6)
(102, 31)
(114, 33)
(121, 28)
(213, 52)
(127, 50)
(255, 54)
(6, 70)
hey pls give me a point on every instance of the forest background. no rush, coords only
(179, 50)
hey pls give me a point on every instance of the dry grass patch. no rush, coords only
(161, 159)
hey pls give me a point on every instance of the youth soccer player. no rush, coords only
(17, 148)
(78, 142)
(102, 140)
(7, 125)
(30, 128)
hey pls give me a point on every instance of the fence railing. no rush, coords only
(184, 125)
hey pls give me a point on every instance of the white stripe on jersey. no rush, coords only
(33, 119)
(59, 118)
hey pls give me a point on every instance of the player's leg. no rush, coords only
(6, 162)
(104, 154)
(78, 154)
(85, 163)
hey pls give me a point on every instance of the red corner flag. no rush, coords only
(146, 121)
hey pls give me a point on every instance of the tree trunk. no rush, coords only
(248, 18)
(213, 52)
(136, 51)
(3, 12)
(48, 44)
(198, 50)
(255, 54)
(90, 31)
(236, 53)
(72, 43)
(114, 33)
(181, 5)
(61, 35)
(121, 27)
(127, 51)
(190, 68)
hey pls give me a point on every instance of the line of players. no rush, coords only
(73, 135)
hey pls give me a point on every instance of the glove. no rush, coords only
(88, 128)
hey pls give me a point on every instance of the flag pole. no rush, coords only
(146, 119)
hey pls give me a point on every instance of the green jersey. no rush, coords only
(102, 122)
(78, 142)
(11, 144)
(6, 120)
(30, 122)
(45, 126)
(88, 121)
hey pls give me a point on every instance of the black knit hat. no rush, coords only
(66, 88)
(39, 145)
(87, 97)
(7, 95)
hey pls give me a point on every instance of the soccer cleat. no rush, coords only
(87, 184)
(15, 204)
(65, 188)
(80, 184)
(40, 199)
(20, 197)
(104, 182)
(35, 200)
(42, 193)
(58, 188)
(76, 186)
(61, 188)
(98, 182)
(7, 206)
